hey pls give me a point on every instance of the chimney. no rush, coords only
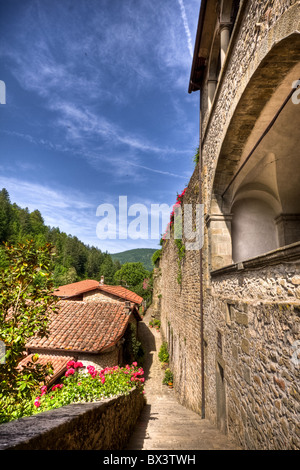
(101, 281)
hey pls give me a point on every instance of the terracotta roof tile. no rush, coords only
(59, 363)
(120, 291)
(84, 326)
(77, 288)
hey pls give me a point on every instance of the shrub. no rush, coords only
(89, 386)
(80, 385)
(26, 302)
(156, 256)
(168, 377)
(155, 323)
(163, 354)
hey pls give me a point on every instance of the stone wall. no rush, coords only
(251, 342)
(105, 425)
(97, 296)
(252, 335)
(251, 309)
(180, 311)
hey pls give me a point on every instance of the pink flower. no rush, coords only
(69, 372)
(43, 390)
(37, 403)
(77, 365)
(134, 364)
(102, 380)
(56, 386)
(70, 364)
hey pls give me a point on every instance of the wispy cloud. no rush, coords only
(186, 27)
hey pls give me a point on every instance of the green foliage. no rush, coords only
(155, 323)
(133, 349)
(156, 256)
(163, 354)
(196, 156)
(74, 261)
(25, 303)
(168, 378)
(142, 255)
(79, 385)
(132, 276)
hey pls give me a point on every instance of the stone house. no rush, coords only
(89, 332)
(90, 290)
(232, 323)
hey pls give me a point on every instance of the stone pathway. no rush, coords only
(164, 424)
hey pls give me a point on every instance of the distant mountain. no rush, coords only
(142, 255)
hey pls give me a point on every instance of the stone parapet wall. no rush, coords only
(105, 425)
(256, 344)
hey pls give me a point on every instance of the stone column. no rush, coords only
(288, 228)
(224, 37)
(211, 88)
(219, 229)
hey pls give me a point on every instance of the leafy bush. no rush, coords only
(155, 323)
(89, 386)
(80, 385)
(133, 350)
(25, 304)
(156, 256)
(168, 377)
(163, 354)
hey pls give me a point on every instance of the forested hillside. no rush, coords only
(142, 255)
(74, 260)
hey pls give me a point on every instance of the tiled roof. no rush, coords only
(59, 363)
(120, 291)
(84, 326)
(77, 288)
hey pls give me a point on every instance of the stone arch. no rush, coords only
(265, 184)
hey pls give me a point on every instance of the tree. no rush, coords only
(132, 275)
(107, 269)
(5, 215)
(25, 304)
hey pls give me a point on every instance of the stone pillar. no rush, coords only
(288, 228)
(224, 39)
(211, 88)
(219, 229)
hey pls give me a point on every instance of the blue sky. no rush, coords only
(96, 107)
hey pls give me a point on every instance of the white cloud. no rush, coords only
(186, 27)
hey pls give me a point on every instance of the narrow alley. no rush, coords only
(164, 424)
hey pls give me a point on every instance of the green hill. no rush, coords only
(142, 255)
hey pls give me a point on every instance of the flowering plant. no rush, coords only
(88, 384)
(179, 201)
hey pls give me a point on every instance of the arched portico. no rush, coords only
(255, 203)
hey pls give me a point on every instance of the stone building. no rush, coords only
(232, 322)
(93, 333)
(90, 290)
